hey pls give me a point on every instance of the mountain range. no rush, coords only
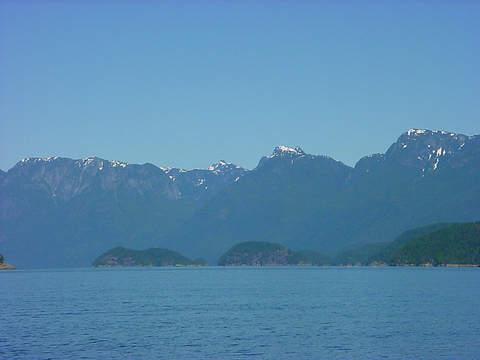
(60, 212)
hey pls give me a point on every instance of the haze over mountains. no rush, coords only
(62, 212)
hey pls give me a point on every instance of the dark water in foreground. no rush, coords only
(238, 313)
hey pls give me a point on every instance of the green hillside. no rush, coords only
(457, 244)
(123, 257)
(384, 255)
(265, 253)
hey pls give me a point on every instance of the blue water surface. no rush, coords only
(240, 313)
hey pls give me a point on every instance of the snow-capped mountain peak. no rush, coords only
(219, 165)
(418, 132)
(30, 160)
(283, 150)
(100, 164)
(116, 163)
(222, 165)
(427, 149)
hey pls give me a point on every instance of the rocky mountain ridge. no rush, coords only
(70, 210)
(65, 178)
(424, 150)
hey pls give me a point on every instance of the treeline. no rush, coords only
(123, 257)
(457, 244)
(262, 253)
(438, 244)
(433, 245)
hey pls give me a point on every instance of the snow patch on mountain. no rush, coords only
(116, 163)
(221, 166)
(426, 132)
(283, 150)
(426, 149)
(38, 159)
(415, 132)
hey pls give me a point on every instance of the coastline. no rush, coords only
(5, 266)
(436, 265)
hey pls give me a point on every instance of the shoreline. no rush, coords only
(5, 266)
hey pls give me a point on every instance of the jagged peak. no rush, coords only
(168, 170)
(424, 149)
(215, 167)
(430, 139)
(88, 161)
(419, 132)
(222, 164)
(100, 163)
(116, 163)
(39, 159)
(416, 132)
(218, 165)
(283, 150)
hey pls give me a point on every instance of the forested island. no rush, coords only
(441, 244)
(4, 265)
(123, 257)
(262, 253)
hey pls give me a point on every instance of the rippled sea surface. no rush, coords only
(237, 313)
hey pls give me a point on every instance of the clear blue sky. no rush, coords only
(187, 83)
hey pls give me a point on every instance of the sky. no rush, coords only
(188, 83)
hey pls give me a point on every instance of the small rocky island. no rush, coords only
(123, 257)
(5, 266)
(262, 253)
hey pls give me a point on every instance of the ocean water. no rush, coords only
(241, 313)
